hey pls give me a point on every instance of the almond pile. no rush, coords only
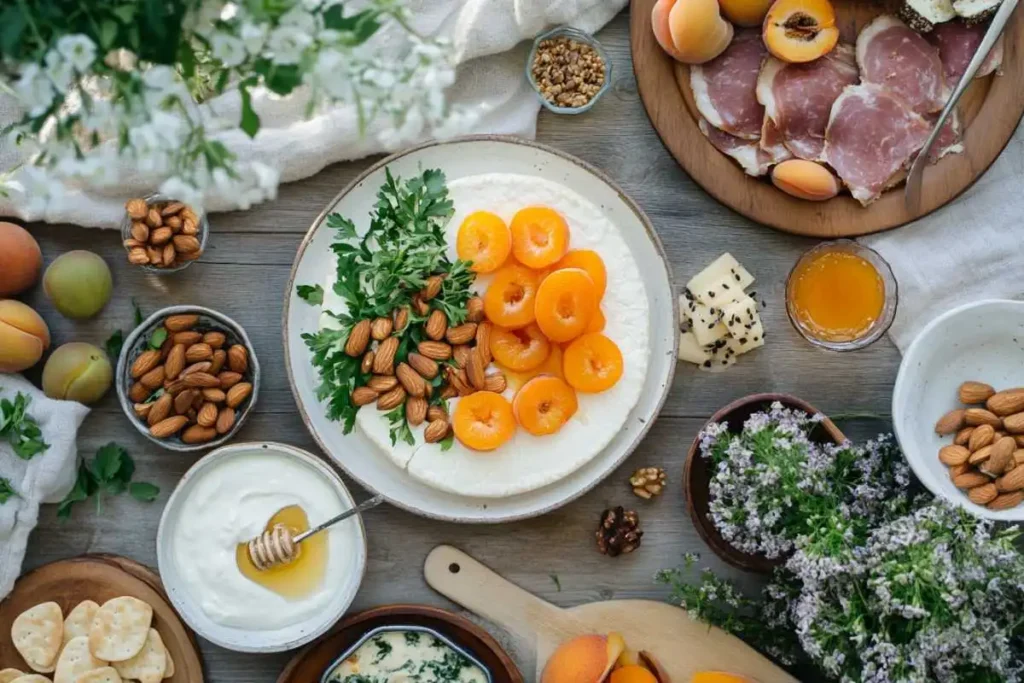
(986, 458)
(193, 384)
(412, 382)
(163, 234)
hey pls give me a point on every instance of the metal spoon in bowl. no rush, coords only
(912, 193)
(277, 546)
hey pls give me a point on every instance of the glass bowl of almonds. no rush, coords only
(569, 70)
(162, 235)
(187, 378)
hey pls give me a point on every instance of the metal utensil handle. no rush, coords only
(362, 507)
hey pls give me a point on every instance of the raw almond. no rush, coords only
(970, 480)
(496, 383)
(140, 232)
(980, 416)
(207, 415)
(982, 436)
(180, 323)
(432, 288)
(197, 433)
(426, 367)
(475, 309)
(225, 420)
(154, 378)
(160, 410)
(198, 352)
(980, 455)
(201, 366)
(189, 227)
(187, 337)
(138, 257)
(169, 254)
(214, 395)
(1006, 501)
(146, 361)
(153, 218)
(411, 380)
(421, 307)
(448, 391)
(132, 243)
(401, 316)
(142, 409)
(367, 363)
(461, 354)
(1014, 423)
(220, 357)
(215, 339)
(953, 455)
(362, 396)
(227, 379)
(1001, 458)
(975, 392)
(436, 326)
(172, 208)
(156, 256)
(435, 350)
(197, 398)
(415, 410)
(175, 362)
(175, 387)
(463, 334)
(381, 328)
(458, 379)
(382, 383)
(436, 413)
(137, 208)
(475, 370)
(1006, 402)
(168, 427)
(184, 400)
(1011, 481)
(391, 399)
(174, 223)
(980, 495)
(384, 360)
(436, 431)
(1018, 456)
(238, 359)
(483, 342)
(184, 244)
(237, 394)
(357, 341)
(1019, 438)
(160, 236)
(956, 470)
(201, 379)
(138, 393)
(963, 437)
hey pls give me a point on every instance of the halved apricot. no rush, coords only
(597, 322)
(485, 240)
(540, 236)
(633, 673)
(592, 363)
(519, 350)
(509, 300)
(805, 180)
(566, 301)
(483, 421)
(800, 30)
(552, 366)
(544, 404)
(590, 261)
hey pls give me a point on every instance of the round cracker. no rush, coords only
(31, 678)
(106, 674)
(75, 659)
(149, 665)
(8, 675)
(38, 634)
(120, 628)
(79, 620)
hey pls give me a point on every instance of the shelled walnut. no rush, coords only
(618, 532)
(568, 72)
(648, 482)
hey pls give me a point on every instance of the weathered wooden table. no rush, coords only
(244, 272)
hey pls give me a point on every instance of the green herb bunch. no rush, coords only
(109, 472)
(20, 429)
(381, 273)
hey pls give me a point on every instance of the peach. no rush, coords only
(806, 180)
(24, 336)
(584, 659)
(800, 30)
(691, 31)
(20, 259)
(745, 12)
(78, 283)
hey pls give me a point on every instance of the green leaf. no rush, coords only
(311, 294)
(125, 12)
(137, 312)
(6, 490)
(250, 119)
(108, 462)
(12, 28)
(108, 33)
(20, 429)
(143, 491)
(447, 443)
(85, 486)
(114, 344)
(158, 338)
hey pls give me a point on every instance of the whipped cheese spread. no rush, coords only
(407, 656)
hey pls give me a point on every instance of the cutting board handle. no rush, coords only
(460, 578)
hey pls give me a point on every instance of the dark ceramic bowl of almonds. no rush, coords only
(187, 378)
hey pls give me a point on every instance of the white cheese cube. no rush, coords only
(721, 357)
(690, 349)
(721, 282)
(744, 324)
(706, 324)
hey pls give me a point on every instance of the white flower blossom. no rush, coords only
(287, 44)
(253, 36)
(59, 70)
(79, 50)
(228, 49)
(35, 90)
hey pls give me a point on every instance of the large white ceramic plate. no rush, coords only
(982, 341)
(463, 157)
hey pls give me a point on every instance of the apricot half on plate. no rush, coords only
(509, 300)
(520, 350)
(584, 659)
(483, 421)
(590, 261)
(633, 673)
(566, 301)
(544, 405)
(592, 363)
(540, 236)
(485, 240)
(800, 30)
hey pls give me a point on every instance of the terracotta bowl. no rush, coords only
(698, 471)
(310, 664)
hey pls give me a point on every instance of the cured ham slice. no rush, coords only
(949, 141)
(892, 55)
(871, 135)
(957, 42)
(724, 88)
(773, 142)
(798, 98)
(747, 153)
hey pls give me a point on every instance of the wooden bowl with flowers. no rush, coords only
(699, 471)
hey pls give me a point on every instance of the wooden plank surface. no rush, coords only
(243, 274)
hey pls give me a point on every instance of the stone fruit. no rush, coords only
(77, 372)
(20, 259)
(23, 336)
(800, 30)
(745, 12)
(78, 283)
(585, 659)
(691, 31)
(718, 677)
(805, 180)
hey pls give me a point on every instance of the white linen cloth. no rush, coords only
(46, 478)
(488, 37)
(969, 250)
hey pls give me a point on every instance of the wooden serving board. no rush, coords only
(682, 645)
(990, 111)
(100, 578)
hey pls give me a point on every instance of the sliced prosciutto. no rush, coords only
(871, 136)
(892, 55)
(798, 98)
(773, 143)
(747, 153)
(949, 140)
(724, 87)
(957, 42)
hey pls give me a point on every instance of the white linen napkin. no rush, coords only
(969, 250)
(488, 36)
(46, 478)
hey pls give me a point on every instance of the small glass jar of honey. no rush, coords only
(841, 296)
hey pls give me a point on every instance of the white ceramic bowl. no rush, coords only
(981, 341)
(345, 584)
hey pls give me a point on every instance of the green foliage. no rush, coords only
(20, 429)
(109, 472)
(6, 490)
(114, 344)
(157, 339)
(311, 294)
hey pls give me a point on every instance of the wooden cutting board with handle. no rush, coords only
(682, 646)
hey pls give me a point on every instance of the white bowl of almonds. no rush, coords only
(162, 235)
(958, 408)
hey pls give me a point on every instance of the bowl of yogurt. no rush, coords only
(232, 495)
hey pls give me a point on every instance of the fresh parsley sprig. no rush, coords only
(20, 429)
(110, 471)
(6, 490)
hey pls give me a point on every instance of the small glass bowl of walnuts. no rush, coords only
(162, 235)
(569, 70)
(187, 378)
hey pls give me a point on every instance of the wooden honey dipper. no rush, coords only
(277, 546)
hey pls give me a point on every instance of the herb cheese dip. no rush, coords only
(406, 656)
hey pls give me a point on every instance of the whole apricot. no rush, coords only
(584, 659)
(78, 283)
(745, 12)
(24, 336)
(20, 259)
(77, 372)
(718, 677)
(805, 180)
(691, 31)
